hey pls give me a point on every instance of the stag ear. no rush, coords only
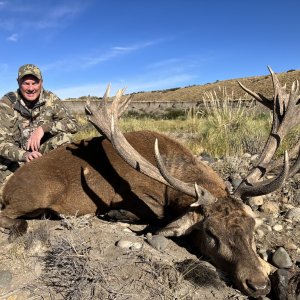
(183, 225)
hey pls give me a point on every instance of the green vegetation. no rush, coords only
(215, 132)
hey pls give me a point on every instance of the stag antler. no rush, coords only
(286, 114)
(106, 121)
(101, 117)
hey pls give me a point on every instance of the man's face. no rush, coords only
(30, 87)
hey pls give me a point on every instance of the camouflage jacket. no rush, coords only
(18, 121)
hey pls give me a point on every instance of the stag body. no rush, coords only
(90, 177)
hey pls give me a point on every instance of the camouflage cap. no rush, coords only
(29, 69)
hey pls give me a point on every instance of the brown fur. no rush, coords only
(90, 177)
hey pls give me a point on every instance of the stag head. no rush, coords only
(222, 226)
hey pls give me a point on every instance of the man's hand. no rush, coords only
(32, 155)
(34, 141)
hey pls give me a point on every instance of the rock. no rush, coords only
(158, 242)
(293, 214)
(254, 158)
(277, 227)
(290, 246)
(236, 182)
(297, 197)
(5, 278)
(285, 285)
(263, 254)
(281, 259)
(128, 244)
(256, 201)
(207, 158)
(247, 155)
(285, 199)
(260, 234)
(228, 185)
(270, 207)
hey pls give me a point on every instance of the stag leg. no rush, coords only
(181, 226)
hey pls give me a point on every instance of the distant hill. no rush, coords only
(258, 84)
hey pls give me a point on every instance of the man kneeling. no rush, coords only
(33, 121)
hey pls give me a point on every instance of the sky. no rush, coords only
(145, 45)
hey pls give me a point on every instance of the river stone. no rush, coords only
(125, 243)
(5, 278)
(256, 201)
(277, 227)
(270, 208)
(285, 284)
(235, 180)
(158, 242)
(293, 214)
(281, 259)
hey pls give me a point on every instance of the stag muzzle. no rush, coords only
(255, 284)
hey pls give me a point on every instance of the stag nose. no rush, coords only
(258, 288)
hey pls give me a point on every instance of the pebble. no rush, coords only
(281, 259)
(277, 227)
(207, 158)
(5, 278)
(158, 242)
(293, 214)
(254, 158)
(256, 201)
(270, 208)
(247, 155)
(127, 244)
(236, 182)
(290, 246)
(263, 254)
(260, 234)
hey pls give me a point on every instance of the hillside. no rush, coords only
(259, 84)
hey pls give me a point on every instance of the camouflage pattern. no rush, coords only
(18, 121)
(29, 69)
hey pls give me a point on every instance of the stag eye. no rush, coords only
(212, 240)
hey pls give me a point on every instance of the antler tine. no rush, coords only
(263, 100)
(286, 114)
(204, 198)
(135, 160)
(266, 186)
(100, 117)
(107, 92)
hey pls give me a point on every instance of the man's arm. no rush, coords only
(8, 148)
(63, 120)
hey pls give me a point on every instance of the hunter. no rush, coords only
(33, 121)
